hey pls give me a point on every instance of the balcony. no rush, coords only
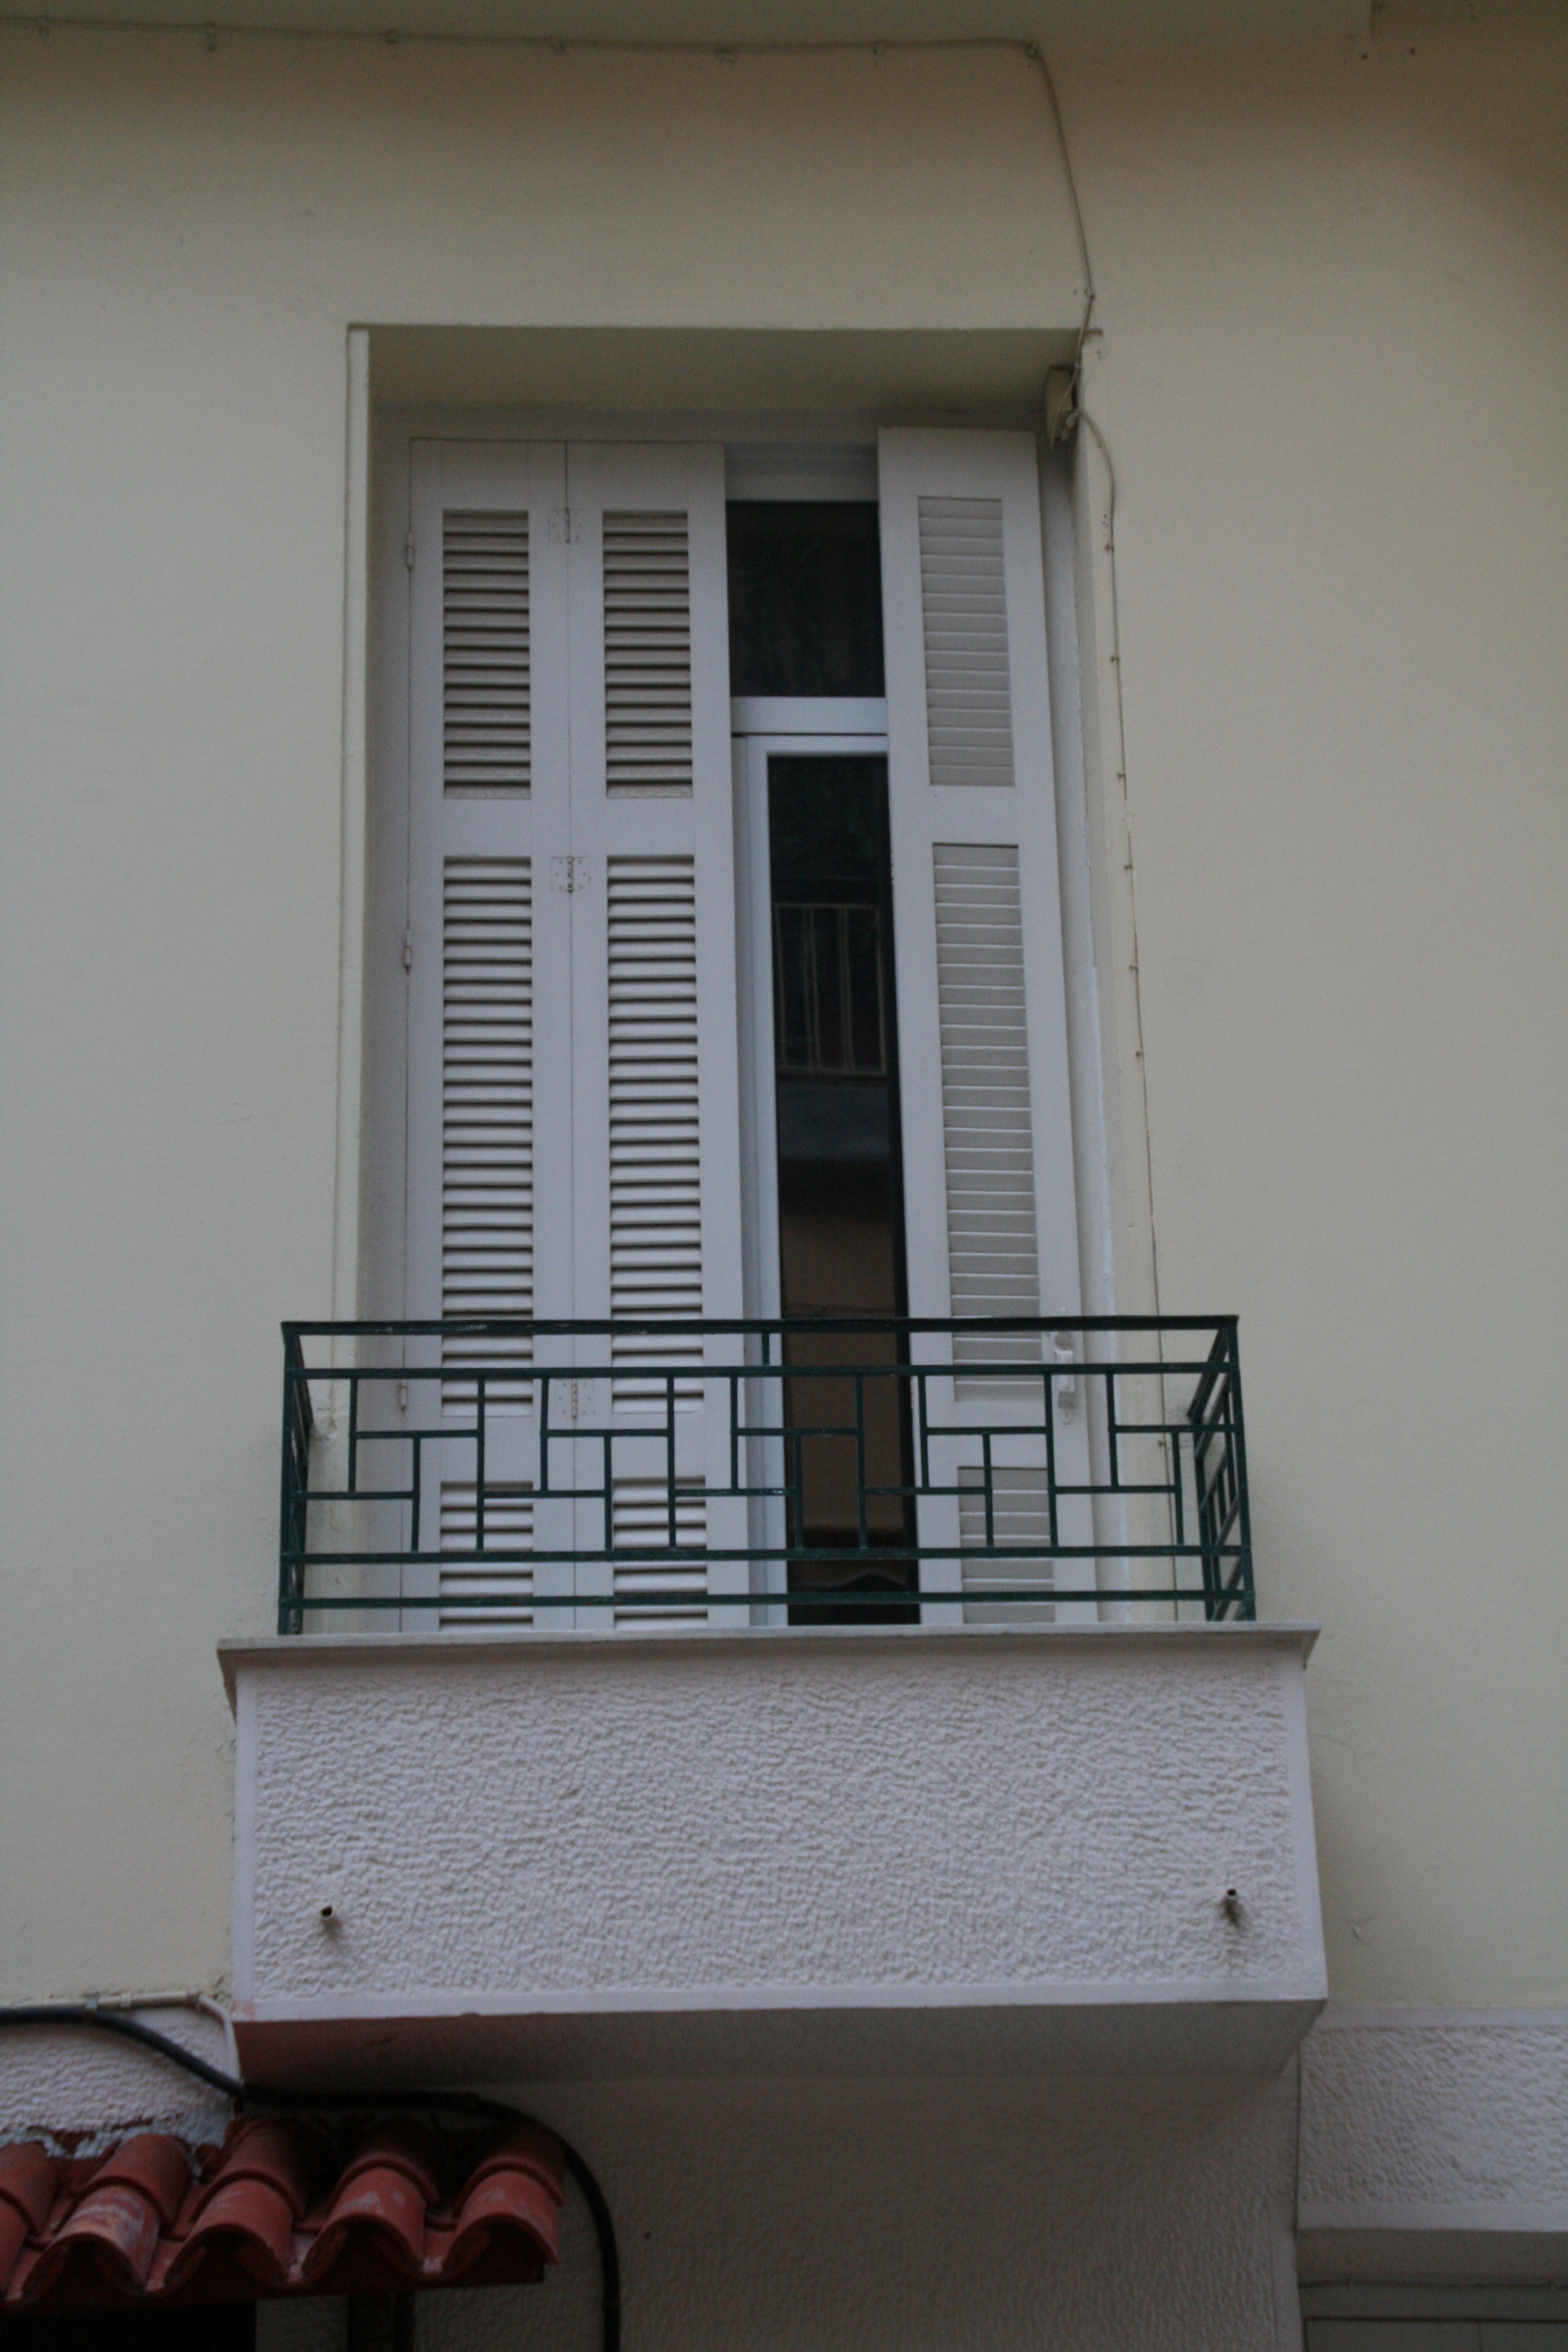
(828, 1697)
(815, 1469)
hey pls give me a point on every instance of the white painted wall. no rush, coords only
(1434, 2142)
(985, 1850)
(1334, 383)
(889, 2215)
(1333, 377)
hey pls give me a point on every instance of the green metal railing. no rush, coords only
(810, 1470)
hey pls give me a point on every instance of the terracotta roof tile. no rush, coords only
(286, 2205)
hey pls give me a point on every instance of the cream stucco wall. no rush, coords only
(1334, 383)
(1334, 377)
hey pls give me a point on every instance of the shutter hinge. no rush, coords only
(568, 874)
(565, 527)
(407, 950)
(409, 550)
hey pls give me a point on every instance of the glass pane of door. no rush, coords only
(840, 1196)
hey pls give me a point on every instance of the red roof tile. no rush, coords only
(286, 2205)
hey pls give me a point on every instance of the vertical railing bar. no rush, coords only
(353, 1378)
(861, 1455)
(1053, 1525)
(479, 1462)
(417, 1442)
(798, 1534)
(285, 1502)
(670, 1454)
(1222, 1494)
(1110, 1426)
(1177, 1512)
(1238, 1442)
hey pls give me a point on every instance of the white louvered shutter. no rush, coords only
(988, 1173)
(489, 1199)
(655, 1103)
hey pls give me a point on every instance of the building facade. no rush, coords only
(792, 772)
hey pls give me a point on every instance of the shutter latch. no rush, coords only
(407, 950)
(409, 550)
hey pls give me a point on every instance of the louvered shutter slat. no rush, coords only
(656, 1213)
(648, 652)
(964, 611)
(486, 712)
(473, 1595)
(987, 1128)
(487, 1097)
(640, 1516)
(1020, 1514)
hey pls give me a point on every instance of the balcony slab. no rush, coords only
(699, 1851)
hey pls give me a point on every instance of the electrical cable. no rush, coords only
(562, 45)
(1037, 57)
(1081, 415)
(280, 2101)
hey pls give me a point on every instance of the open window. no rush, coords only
(733, 985)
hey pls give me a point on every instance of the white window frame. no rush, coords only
(862, 730)
(766, 457)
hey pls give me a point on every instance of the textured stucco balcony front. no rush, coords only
(701, 1852)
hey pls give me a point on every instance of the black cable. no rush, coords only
(263, 2095)
(609, 2255)
(113, 2021)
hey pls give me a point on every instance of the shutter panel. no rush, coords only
(573, 1120)
(990, 1211)
(488, 1183)
(654, 1103)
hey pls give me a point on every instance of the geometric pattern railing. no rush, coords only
(812, 1469)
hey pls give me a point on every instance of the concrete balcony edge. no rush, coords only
(262, 1650)
(727, 1850)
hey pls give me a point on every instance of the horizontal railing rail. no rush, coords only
(504, 1470)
